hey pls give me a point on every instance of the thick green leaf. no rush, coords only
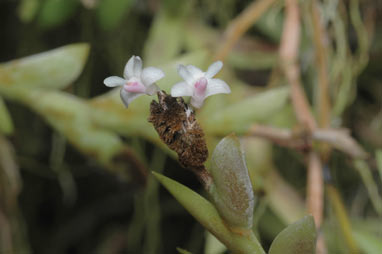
(73, 117)
(56, 12)
(110, 12)
(207, 215)
(240, 116)
(232, 189)
(6, 125)
(297, 238)
(54, 69)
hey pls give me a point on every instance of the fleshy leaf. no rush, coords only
(6, 125)
(297, 238)
(54, 69)
(232, 190)
(207, 215)
(240, 116)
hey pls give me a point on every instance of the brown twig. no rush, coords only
(290, 42)
(315, 191)
(240, 25)
(319, 39)
(282, 137)
(288, 53)
(301, 139)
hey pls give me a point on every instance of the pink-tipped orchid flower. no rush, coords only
(136, 81)
(198, 84)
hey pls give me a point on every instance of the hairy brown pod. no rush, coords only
(177, 127)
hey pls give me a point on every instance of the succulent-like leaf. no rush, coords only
(54, 69)
(240, 116)
(207, 215)
(232, 191)
(195, 204)
(6, 124)
(297, 238)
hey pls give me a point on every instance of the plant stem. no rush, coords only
(240, 25)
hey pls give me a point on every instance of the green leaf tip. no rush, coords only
(195, 204)
(232, 190)
(297, 238)
(53, 69)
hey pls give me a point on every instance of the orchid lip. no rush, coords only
(134, 87)
(201, 86)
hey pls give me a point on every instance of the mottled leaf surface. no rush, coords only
(232, 190)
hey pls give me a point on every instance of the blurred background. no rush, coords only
(75, 164)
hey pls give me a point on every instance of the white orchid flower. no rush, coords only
(198, 84)
(136, 81)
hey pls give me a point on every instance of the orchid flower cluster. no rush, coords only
(197, 84)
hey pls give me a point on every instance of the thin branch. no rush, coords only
(240, 25)
(315, 191)
(319, 39)
(290, 42)
(301, 139)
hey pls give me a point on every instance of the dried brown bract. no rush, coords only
(176, 125)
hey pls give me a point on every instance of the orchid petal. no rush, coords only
(114, 81)
(185, 74)
(151, 75)
(213, 69)
(216, 86)
(127, 97)
(181, 89)
(197, 101)
(133, 67)
(195, 72)
(153, 88)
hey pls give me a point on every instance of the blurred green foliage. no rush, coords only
(70, 134)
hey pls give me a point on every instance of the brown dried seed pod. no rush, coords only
(176, 125)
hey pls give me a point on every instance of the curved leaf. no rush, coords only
(232, 189)
(207, 215)
(240, 116)
(54, 69)
(297, 238)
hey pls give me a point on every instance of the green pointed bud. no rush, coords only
(232, 191)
